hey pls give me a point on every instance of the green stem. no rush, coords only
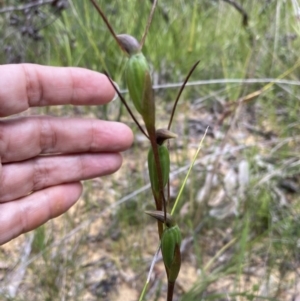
(149, 275)
(143, 291)
(188, 173)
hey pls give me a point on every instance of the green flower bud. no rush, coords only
(136, 70)
(164, 159)
(170, 244)
(138, 79)
(135, 73)
(170, 249)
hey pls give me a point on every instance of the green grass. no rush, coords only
(252, 255)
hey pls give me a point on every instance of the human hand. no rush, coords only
(42, 158)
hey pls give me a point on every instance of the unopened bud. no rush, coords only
(170, 244)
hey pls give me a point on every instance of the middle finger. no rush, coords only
(27, 137)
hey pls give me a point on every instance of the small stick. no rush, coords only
(180, 91)
(25, 6)
(126, 105)
(107, 24)
(240, 9)
(148, 24)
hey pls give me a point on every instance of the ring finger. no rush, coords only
(19, 179)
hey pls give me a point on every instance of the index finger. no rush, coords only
(29, 85)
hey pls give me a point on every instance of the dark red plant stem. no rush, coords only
(148, 24)
(126, 105)
(170, 290)
(101, 13)
(161, 202)
(149, 119)
(180, 91)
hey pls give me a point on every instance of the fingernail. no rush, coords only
(118, 88)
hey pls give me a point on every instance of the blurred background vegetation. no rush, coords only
(240, 210)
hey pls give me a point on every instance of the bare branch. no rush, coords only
(240, 9)
(25, 6)
(180, 91)
(148, 23)
(111, 30)
(126, 105)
